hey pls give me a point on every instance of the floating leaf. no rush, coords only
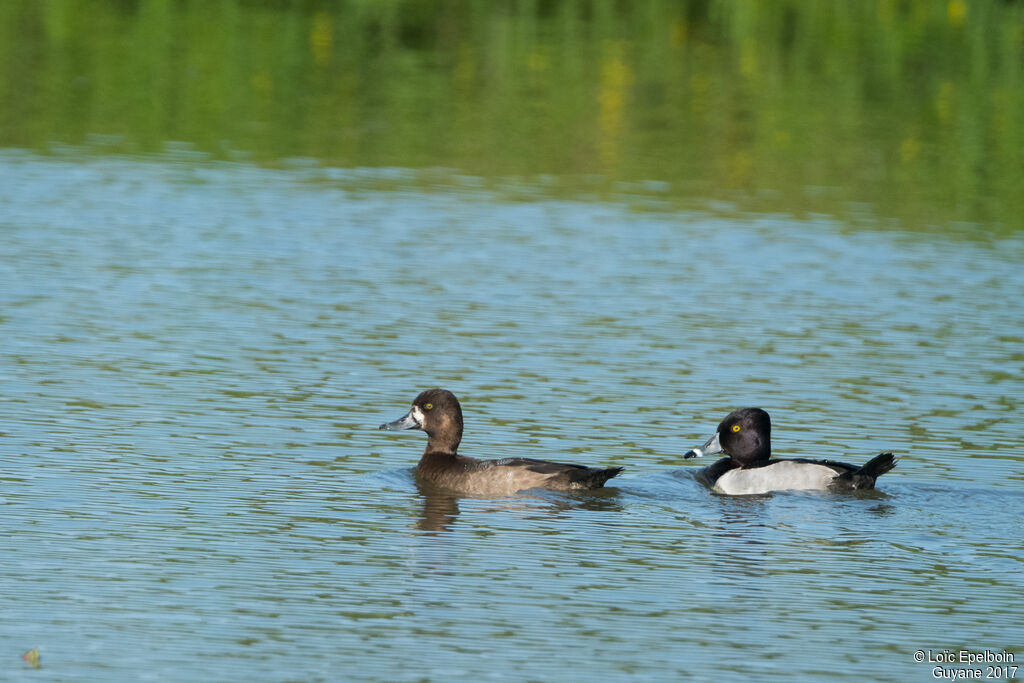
(32, 657)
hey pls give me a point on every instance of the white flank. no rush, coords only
(780, 476)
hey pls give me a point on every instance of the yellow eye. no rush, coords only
(428, 406)
(735, 428)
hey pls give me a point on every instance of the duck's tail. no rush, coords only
(591, 477)
(864, 478)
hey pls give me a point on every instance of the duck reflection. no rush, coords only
(439, 511)
(440, 507)
(751, 538)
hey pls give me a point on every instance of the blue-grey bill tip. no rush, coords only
(408, 421)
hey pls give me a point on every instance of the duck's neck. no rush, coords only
(432, 452)
(760, 462)
(441, 446)
(445, 437)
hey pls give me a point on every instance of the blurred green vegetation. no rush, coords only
(910, 110)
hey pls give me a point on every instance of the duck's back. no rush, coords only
(560, 476)
(508, 476)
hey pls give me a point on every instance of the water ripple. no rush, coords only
(196, 359)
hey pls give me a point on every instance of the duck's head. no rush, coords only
(438, 413)
(745, 435)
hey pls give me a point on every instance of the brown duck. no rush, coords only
(438, 413)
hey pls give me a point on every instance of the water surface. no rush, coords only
(867, 110)
(196, 357)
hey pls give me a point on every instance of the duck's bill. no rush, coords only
(407, 422)
(710, 447)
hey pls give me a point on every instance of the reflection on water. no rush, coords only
(196, 358)
(441, 510)
(866, 110)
